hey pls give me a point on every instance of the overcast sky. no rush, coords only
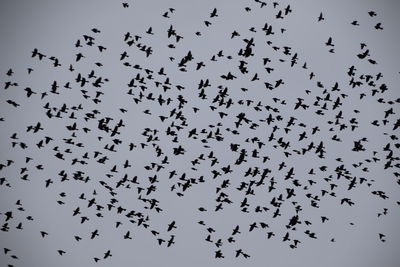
(53, 28)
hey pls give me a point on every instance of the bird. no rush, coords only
(214, 13)
(321, 17)
(107, 254)
(171, 226)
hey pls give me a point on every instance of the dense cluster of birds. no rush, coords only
(262, 153)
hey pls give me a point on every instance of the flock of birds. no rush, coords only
(274, 146)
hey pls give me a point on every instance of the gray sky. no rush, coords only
(53, 27)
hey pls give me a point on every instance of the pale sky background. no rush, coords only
(53, 28)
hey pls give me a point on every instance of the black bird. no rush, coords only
(320, 17)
